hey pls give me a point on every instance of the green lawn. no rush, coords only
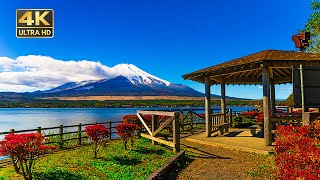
(113, 163)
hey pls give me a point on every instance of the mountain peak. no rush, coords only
(136, 75)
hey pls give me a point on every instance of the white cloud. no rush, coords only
(30, 73)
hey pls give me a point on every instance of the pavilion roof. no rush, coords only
(247, 69)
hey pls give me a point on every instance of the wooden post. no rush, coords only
(273, 99)
(176, 133)
(79, 134)
(230, 116)
(61, 137)
(191, 120)
(223, 101)
(266, 108)
(110, 130)
(12, 130)
(155, 125)
(302, 89)
(39, 130)
(208, 107)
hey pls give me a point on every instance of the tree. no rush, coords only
(313, 26)
(23, 150)
(98, 134)
(126, 132)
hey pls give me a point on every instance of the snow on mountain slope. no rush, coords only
(136, 75)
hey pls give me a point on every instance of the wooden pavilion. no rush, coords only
(265, 68)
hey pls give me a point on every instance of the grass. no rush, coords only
(113, 163)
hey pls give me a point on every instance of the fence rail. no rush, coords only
(63, 130)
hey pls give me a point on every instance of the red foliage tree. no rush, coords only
(126, 132)
(133, 119)
(23, 150)
(297, 153)
(98, 134)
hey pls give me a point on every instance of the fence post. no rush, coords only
(230, 116)
(191, 120)
(176, 133)
(12, 130)
(155, 124)
(110, 130)
(79, 134)
(61, 136)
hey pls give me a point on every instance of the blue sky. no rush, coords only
(167, 38)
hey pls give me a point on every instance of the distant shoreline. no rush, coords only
(124, 98)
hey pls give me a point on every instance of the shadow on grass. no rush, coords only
(125, 160)
(143, 150)
(57, 175)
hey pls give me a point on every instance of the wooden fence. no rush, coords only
(157, 126)
(60, 131)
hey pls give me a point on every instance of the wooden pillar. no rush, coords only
(230, 116)
(266, 108)
(155, 124)
(223, 100)
(208, 107)
(302, 89)
(273, 99)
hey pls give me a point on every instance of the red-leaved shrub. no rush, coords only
(297, 153)
(126, 132)
(249, 114)
(134, 119)
(23, 150)
(98, 134)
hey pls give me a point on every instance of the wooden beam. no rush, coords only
(256, 73)
(243, 74)
(250, 72)
(286, 70)
(218, 79)
(144, 123)
(159, 113)
(281, 72)
(165, 124)
(168, 143)
(266, 108)
(277, 74)
(271, 73)
(256, 80)
(208, 107)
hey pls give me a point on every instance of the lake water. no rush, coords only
(30, 118)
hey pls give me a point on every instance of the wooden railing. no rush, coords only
(190, 119)
(60, 131)
(293, 119)
(172, 119)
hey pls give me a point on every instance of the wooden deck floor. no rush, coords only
(238, 139)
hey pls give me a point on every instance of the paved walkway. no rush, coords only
(215, 163)
(239, 139)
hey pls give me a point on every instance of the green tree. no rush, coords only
(313, 26)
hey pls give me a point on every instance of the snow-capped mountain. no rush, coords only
(124, 80)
